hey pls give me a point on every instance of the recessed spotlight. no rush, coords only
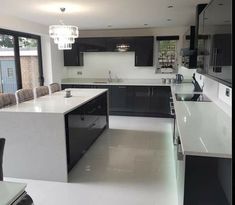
(220, 4)
(145, 24)
(168, 19)
(170, 6)
(109, 26)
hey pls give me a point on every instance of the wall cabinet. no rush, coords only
(91, 44)
(221, 50)
(144, 51)
(83, 126)
(73, 57)
(142, 46)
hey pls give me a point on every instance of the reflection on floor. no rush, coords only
(131, 163)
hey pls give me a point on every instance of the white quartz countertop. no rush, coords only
(56, 102)
(204, 128)
(10, 191)
(141, 82)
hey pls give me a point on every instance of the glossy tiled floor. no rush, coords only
(130, 164)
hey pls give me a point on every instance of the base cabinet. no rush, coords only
(203, 180)
(149, 101)
(83, 127)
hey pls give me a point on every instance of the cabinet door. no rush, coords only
(160, 101)
(73, 57)
(92, 44)
(121, 98)
(144, 51)
(221, 50)
(141, 100)
(115, 44)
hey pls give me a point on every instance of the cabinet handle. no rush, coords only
(92, 125)
(136, 59)
(91, 111)
(149, 92)
(152, 92)
(121, 87)
(180, 155)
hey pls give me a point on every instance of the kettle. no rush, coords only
(179, 78)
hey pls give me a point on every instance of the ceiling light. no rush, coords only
(170, 6)
(122, 47)
(63, 35)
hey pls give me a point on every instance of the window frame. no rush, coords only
(16, 35)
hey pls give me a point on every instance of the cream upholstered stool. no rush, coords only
(23, 95)
(54, 87)
(41, 91)
(7, 99)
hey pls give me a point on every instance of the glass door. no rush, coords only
(8, 80)
(29, 62)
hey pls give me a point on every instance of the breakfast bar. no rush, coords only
(41, 134)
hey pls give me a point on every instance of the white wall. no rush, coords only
(52, 58)
(216, 91)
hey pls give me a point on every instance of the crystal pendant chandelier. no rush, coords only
(63, 35)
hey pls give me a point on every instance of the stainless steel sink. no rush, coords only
(100, 82)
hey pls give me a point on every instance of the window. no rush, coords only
(20, 61)
(167, 53)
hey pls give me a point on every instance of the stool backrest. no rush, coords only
(7, 99)
(41, 91)
(23, 95)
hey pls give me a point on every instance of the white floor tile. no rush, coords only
(131, 164)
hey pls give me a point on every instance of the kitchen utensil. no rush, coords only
(168, 80)
(179, 78)
(164, 80)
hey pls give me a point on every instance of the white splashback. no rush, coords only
(121, 64)
(216, 91)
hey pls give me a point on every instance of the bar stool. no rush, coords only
(41, 91)
(7, 99)
(54, 87)
(23, 95)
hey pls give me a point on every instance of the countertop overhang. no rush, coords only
(56, 103)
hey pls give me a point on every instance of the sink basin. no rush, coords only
(192, 97)
(100, 82)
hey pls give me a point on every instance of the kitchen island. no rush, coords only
(41, 134)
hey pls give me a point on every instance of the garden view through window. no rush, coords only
(20, 65)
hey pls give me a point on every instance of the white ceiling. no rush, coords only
(98, 14)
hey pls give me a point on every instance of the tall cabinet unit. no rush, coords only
(215, 22)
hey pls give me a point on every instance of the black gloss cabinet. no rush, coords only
(151, 101)
(142, 46)
(83, 127)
